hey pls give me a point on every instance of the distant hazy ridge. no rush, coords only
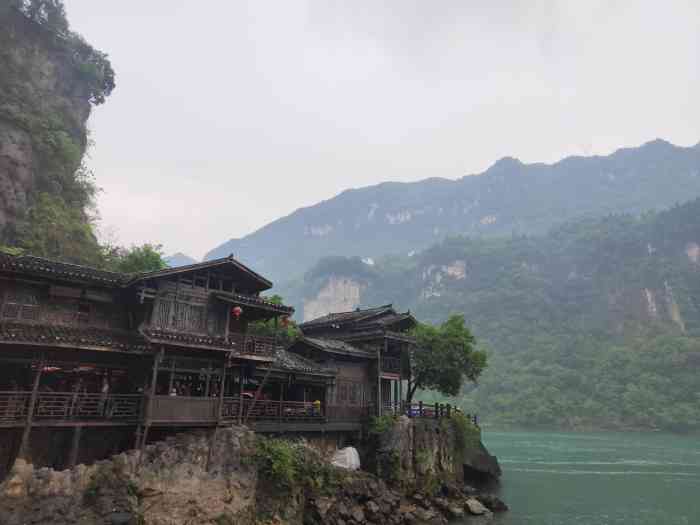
(509, 197)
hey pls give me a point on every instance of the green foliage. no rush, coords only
(286, 335)
(278, 461)
(48, 13)
(10, 250)
(56, 230)
(378, 425)
(137, 259)
(444, 357)
(467, 435)
(288, 464)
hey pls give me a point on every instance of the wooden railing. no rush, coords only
(174, 409)
(77, 407)
(391, 365)
(51, 405)
(254, 344)
(263, 409)
(425, 410)
(13, 406)
(70, 406)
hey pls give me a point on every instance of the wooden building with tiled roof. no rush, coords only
(371, 350)
(86, 349)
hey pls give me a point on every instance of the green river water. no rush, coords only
(598, 478)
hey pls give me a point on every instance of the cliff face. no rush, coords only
(219, 479)
(427, 454)
(48, 82)
(338, 294)
(189, 478)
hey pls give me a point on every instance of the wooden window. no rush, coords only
(21, 303)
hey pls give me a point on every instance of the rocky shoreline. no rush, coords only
(372, 502)
(226, 477)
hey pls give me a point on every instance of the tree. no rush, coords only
(56, 230)
(49, 13)
(137, 259)
(444, 358)
(284, 333)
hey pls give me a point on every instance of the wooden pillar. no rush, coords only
(24, 444)
(227, 329)
(258, 391)
(240, 395)
(207, 384)
(75, 446)
(172, 376)
(397, 403)
(401, 383)
(379, 378)
(222, 387)
(151, 397)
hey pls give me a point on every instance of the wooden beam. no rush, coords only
(151, 398)
(240, 395)
(75, 446)
(257, 393)
(24, 445)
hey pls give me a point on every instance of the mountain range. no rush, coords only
(508, 198)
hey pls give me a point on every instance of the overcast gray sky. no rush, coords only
(229, 114)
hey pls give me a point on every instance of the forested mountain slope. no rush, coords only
(596, 324)
(510, 197)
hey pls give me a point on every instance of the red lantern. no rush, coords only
(285, 322)
(236, 311)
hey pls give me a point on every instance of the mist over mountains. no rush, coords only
(508, 198)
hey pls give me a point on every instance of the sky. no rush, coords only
(230, 114)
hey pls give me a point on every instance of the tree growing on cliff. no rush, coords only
(444, 358)
(137, 259)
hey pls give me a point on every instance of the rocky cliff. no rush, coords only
(338, 294)
(233, 476)
(49, 80)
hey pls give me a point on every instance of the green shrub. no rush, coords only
(380, 424)
(467, 434)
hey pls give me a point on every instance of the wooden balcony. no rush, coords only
(80, 409)
(391, 365)
(254, 345)
(69, 407)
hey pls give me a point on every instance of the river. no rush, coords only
(598, 478)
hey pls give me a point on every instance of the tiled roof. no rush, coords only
(335, 346)
(343, 324)
(265, 284)
(59, 270)
(57, 335)
(256, 347)
(79, 273)
(394, 319)
(347, 317)
(254, 302)
(175, 338)
(292, 362)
